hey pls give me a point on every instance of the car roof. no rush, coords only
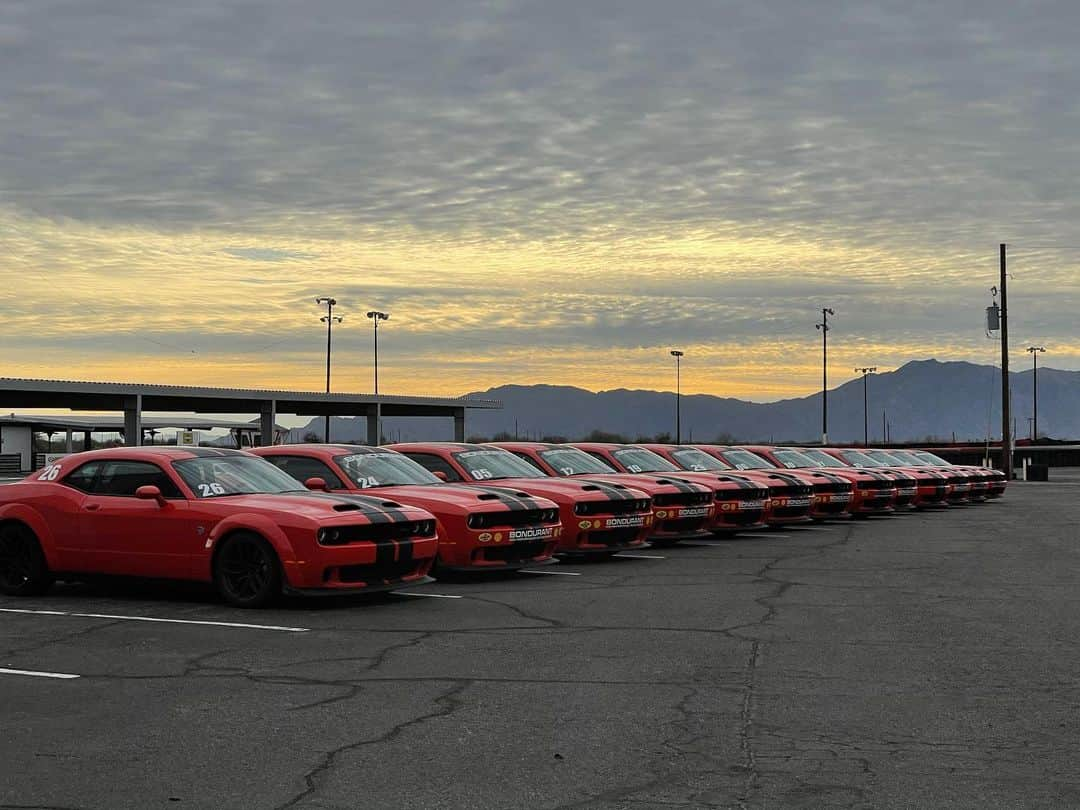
(153, 453)
(332, 449)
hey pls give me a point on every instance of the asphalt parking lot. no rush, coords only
(927, 660)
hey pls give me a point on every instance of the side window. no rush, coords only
(124, 477)
(302, 468)
(433, 463)
(530, 461)
(82, 478)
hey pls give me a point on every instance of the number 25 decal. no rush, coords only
(206, 490)
(50, 473)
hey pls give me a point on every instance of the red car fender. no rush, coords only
(261, 525)
(29, 516)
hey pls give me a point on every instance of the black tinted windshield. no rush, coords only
(639, 460)
(794, 459)
(886, 458)
(697, 460)
(745, 460)
(491, 464)
(930, 458)
(823, 459)
(861, 459)
(571, 461)
(384, 469)
(234, 475)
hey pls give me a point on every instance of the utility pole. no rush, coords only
(885, 426)
(824, 328)
(1035, 352)
(377, 316)
(866, 372)
(1006, 419)
(329, 319)
(678, 355)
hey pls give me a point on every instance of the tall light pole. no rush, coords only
(377, 316)
(866, 372)
(1006, 399)
(329, 319)
(1035, 352)
(823, 327)
(678, 355)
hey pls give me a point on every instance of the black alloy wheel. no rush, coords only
(247, 573)
(23, 569)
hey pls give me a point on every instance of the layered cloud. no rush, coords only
(538, 191)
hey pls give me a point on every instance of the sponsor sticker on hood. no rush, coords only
(538, 533)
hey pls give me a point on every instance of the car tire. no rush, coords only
(247, 572)
(23, 569)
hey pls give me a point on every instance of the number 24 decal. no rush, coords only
(50, 473)
(206, 490)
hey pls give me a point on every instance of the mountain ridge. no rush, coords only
(921, 399)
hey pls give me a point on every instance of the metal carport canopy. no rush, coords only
(134, 398)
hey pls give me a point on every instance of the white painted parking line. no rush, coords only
(552, 573)
(430, 595)
(640, 556)
(35, 674)
(118, 617)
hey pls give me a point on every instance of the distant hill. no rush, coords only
(923, 398)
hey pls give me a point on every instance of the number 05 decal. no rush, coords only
(481, 474)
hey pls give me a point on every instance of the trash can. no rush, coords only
(1038, 472)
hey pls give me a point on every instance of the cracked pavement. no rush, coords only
(926, 660)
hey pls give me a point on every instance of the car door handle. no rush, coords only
(92, 507)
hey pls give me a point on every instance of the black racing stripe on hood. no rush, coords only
(680, 484)
(606, 488)
(372, 509)
(510, 497)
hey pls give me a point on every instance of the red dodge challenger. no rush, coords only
(220, 516)
(598, 518)
(479, 527)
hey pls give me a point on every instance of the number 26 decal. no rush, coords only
(50, 473)
(206, 490)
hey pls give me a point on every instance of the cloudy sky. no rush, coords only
(537, 191)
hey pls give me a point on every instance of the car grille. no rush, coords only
(613, 537)
(790, 511)
(683, 524)
(831, 508)
(877, 486)
(512, 552)
(747, 517)
(683, 499)
(833, 486)
(375, 532)
(742, 494)
(511, 518)
(623, 506)
(793, 492)
(376, 572)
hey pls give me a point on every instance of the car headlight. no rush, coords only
(478, 521)
(328, 536)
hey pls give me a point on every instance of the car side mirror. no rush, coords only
(441, 476)
(150, 493)
(316, 483)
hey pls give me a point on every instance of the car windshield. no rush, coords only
(886, 458)
(217, 476)
(930, 458)
(697, 460)
(908, 457)
(639, 460)
(571, 461)
(823, 459)
(745, 460)
(384, 469)
(794, 459)
(488, 465)
(860, 459)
